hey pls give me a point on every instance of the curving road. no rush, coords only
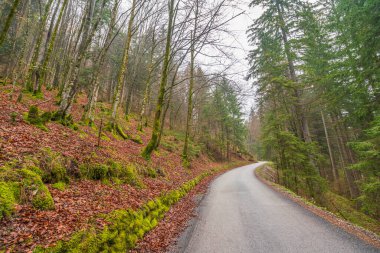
(241, 214)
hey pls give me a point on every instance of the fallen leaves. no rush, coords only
(84, 201)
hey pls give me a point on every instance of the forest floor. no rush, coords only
(81, 203)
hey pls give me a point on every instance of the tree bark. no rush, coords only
(36, 52)
(152, 145)
(8, 21)
(49, 50)
(123, 67)
(333, 167)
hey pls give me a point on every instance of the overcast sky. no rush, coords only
(238, 40)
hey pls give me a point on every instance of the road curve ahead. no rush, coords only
(241, 214)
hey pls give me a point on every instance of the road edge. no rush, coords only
(359, 232)
(187, 208)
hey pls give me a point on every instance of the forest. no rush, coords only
(315, 69)
(136, 98)
(140, 57)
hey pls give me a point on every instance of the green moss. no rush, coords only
(150, 172)
(25, 186)
(36, 170)
(33, 115)
(59, 186)
(125, 226)
(53, 167)
(66, 120)
(94, 171)
(34, 118)
(137, 139)
(126, 173)
(104, 137)
(120, 132)
(33, 190)
(13, 117)
(7, 174)
(46, 117)
(7, 199)
(112, 171)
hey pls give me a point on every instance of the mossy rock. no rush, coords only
(24, 186)
(7, 199)
(125, 226)
(34, 191)
(46, 117)
(33, 115)
(34, 118)
(53, 168)
(94, 171)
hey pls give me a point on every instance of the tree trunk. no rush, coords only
(71, 89)
(152, 145)
(123, 67)
(333, 168)
(36, 52)
(49, 50)
(146, 93)
(191, 86)
(189, 114)
(93, 97)
(8, 21)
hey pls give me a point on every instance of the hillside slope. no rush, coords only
(81, 196)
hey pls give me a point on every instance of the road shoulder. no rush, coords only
(361, 233)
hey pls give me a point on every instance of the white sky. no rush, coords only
(238, 39)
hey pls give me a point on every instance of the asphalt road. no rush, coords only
(241, 214)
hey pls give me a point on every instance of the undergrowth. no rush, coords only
(22, 185)
(126, 227)
(336, 204)
(116, 172)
